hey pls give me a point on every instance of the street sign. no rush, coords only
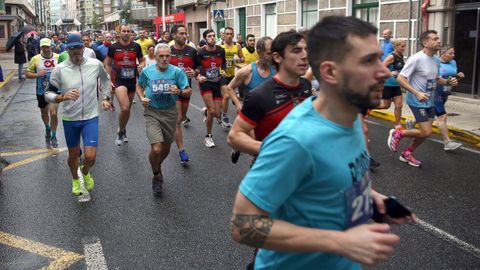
(218, 15)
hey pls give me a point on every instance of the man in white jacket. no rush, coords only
(72, 85)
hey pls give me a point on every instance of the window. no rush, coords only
(2, 31)
(309, 13)
(242, 23)
(270, 25)
(366, 10)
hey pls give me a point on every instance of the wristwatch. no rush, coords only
(106, 98)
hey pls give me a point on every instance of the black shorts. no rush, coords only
(212, 89)
(183, 99)
(225, 80)
(130, 84)
(390, 92)
(42, 103)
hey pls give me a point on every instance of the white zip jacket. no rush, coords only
(84, 77)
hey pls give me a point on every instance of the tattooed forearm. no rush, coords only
(252, 229)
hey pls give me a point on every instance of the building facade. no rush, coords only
(456, 21)
(18, 13)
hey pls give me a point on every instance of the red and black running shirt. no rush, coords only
(271, 101)
(186, 58)
(125, 60)
(211, 62)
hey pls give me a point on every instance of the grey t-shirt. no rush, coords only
(421, 72)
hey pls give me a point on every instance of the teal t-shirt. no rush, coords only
(157, 85)
(304, 174)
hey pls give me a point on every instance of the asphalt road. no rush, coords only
(124, 226)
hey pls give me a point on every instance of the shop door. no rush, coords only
(467, 47)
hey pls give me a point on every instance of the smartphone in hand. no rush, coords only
(395, 209)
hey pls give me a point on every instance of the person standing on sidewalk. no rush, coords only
(420, 77)
(40, 68)
(158, 88)
(19, 57)
(74, 84)
(448, 68)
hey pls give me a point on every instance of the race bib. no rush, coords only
(127, 73)
(229, 63)
(431, 85)
(359, 202)
(160, 87)
(212, 73)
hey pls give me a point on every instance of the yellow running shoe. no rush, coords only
(76, 187)
(88, 179)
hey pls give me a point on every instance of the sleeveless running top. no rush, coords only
(257, 79)
(397, 65)
(229, 59)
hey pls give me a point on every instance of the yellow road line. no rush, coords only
(61, 259)
(9, 76)
(17, 153)
(34, 158)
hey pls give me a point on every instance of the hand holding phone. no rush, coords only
(394, 208)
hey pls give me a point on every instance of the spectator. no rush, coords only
(20, 57)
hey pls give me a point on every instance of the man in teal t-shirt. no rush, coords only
(158, 88)
(308, 196)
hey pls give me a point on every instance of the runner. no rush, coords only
(306, 199)
(40, 67)
(391, 90)
(158, 87)
(251, 55)
(251, 76)
(211, 61)
(270, 102)
(87, 52)
(448, 68)
(149, 59)
(419, 77)
(185, 58)
(232, 51)
(144, 42)
(73, 83)
(123, 56)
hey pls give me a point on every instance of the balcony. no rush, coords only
(24, 4)
(183, 3)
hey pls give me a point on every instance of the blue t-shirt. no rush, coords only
(157, 85)
(387, 48)
(304, 178)
(447, 69)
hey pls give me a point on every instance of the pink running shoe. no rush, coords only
(394, 137)
(408, 157)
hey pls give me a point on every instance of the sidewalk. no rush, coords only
(463, 117)
(463, 112)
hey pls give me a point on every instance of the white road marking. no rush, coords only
(449, 238)
(432, 139)
(93, 252)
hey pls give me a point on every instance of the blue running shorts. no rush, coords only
(87, 128)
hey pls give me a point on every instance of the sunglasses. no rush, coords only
(126, 31)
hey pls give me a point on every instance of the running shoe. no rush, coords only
(88, 180)
(399, 128)
(235, 155)
(204, 114)
(120, 138)
(408, 157)
(125, 139)
(183, 156)
(208, 141)
(393, 140)
(226, 122)
(54, 142)
(185, 121)
(409, 123)
(219, 121)
(48, 134)
(157, 182)
(451, 145)
(76, 187)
